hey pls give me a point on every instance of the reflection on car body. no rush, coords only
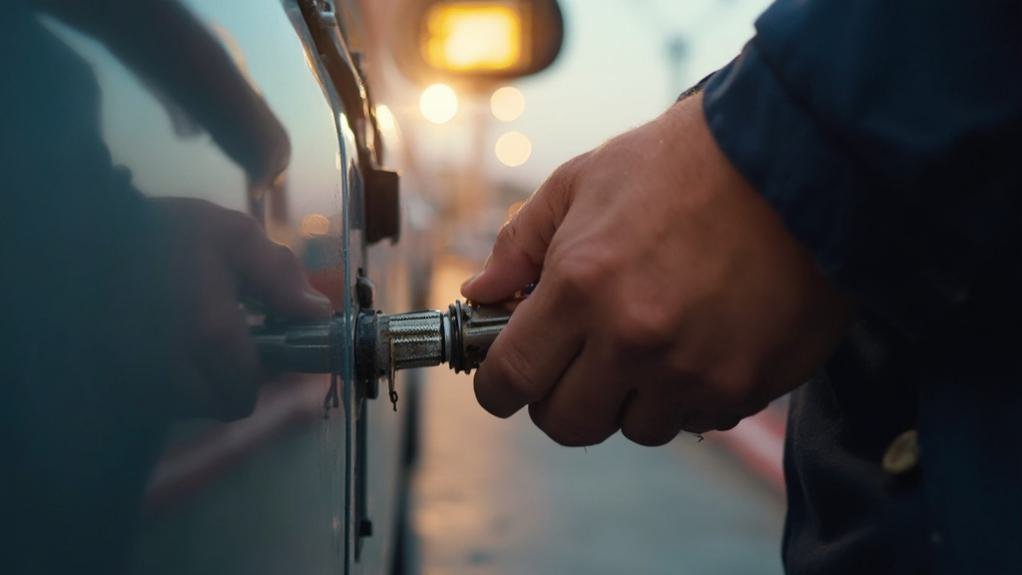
(299, 486)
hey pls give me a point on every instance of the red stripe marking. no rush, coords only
(758, 442)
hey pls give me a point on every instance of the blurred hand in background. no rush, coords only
(217, 256)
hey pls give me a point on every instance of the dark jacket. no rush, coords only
(888, 135)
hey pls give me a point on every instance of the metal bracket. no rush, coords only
(382, 205)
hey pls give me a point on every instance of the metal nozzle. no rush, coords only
(386, 343)
(415, 339)
(461, 337)
(473, 329)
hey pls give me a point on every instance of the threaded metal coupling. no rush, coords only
(385, 343)
(415, 339)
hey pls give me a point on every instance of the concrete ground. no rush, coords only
(498, 497)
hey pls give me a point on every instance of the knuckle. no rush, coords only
(508, 236)
(563, 174)
(566, 430)
(241, 228)
(734, 388)
(579, 276)
(553, 204)
(563, 177)
(641, 325)
(284, 259)
(513, 243)
(566, 437)
(506, 245)
(649, 436)
(698, 425)
(727, 423)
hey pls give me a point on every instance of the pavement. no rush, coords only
(495, 496)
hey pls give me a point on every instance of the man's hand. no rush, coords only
(216, 256)
(681, 300)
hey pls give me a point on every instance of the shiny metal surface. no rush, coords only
(386, 343)
(461, 336)
(414, 339)
(474, 328)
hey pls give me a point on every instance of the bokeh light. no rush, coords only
(507, 103)
(513, 149)
(315, 225)
(438, 103)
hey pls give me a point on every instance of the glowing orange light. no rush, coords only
(315, 225)
(474, 36)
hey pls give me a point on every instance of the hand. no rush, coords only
(672, 297)
(216, 256)
(202, 86)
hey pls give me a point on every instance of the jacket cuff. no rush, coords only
(855, 231)
(784, 155)
(698, 87)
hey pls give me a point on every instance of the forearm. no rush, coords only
(166, 45)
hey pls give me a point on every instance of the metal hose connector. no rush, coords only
(415, 339)
(384, 344)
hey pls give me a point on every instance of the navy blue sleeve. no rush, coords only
(887, 135)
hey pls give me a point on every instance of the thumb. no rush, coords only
(518, 254)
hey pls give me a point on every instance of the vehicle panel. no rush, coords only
(288, 489)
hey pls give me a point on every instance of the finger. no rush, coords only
(267, 271)
(704, 424)
(654, 415)
(529, 355)
(221, 350)
(584, 408)
(518, 254)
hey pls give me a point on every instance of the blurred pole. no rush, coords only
(474, 191)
